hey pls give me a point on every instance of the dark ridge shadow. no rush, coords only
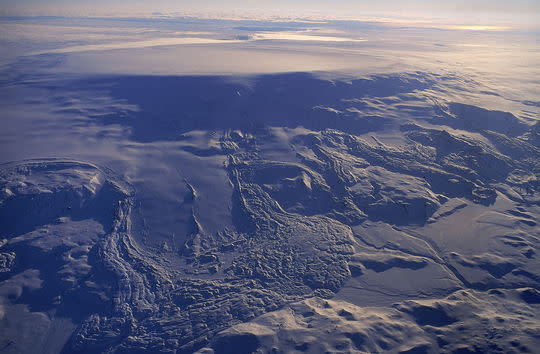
(381, 266)
(169, 106)
(53, 287)
(432, 316)
(474, 118)
(29, 211)
(236, 344)
(530, 295)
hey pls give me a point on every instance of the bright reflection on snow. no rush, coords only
(480, 28)
(294, 36)
(156, 42)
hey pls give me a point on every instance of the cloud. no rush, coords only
(516, 11)
(155, 42)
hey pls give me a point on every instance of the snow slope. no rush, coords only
(286, 212)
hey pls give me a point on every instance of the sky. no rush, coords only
(461, 11)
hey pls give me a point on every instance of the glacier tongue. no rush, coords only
(355, 216)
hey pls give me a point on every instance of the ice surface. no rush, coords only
(285, 212)
(465, 321)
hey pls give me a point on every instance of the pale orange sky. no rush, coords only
(471, 12)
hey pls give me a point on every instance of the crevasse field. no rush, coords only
(236, 186)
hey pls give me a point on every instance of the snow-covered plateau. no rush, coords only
(250, 190)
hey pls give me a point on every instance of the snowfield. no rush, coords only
(393, 211)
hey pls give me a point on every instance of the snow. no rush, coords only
(375, 206)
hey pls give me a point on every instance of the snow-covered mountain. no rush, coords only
(370, 207)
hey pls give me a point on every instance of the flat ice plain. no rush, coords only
(235, 186)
